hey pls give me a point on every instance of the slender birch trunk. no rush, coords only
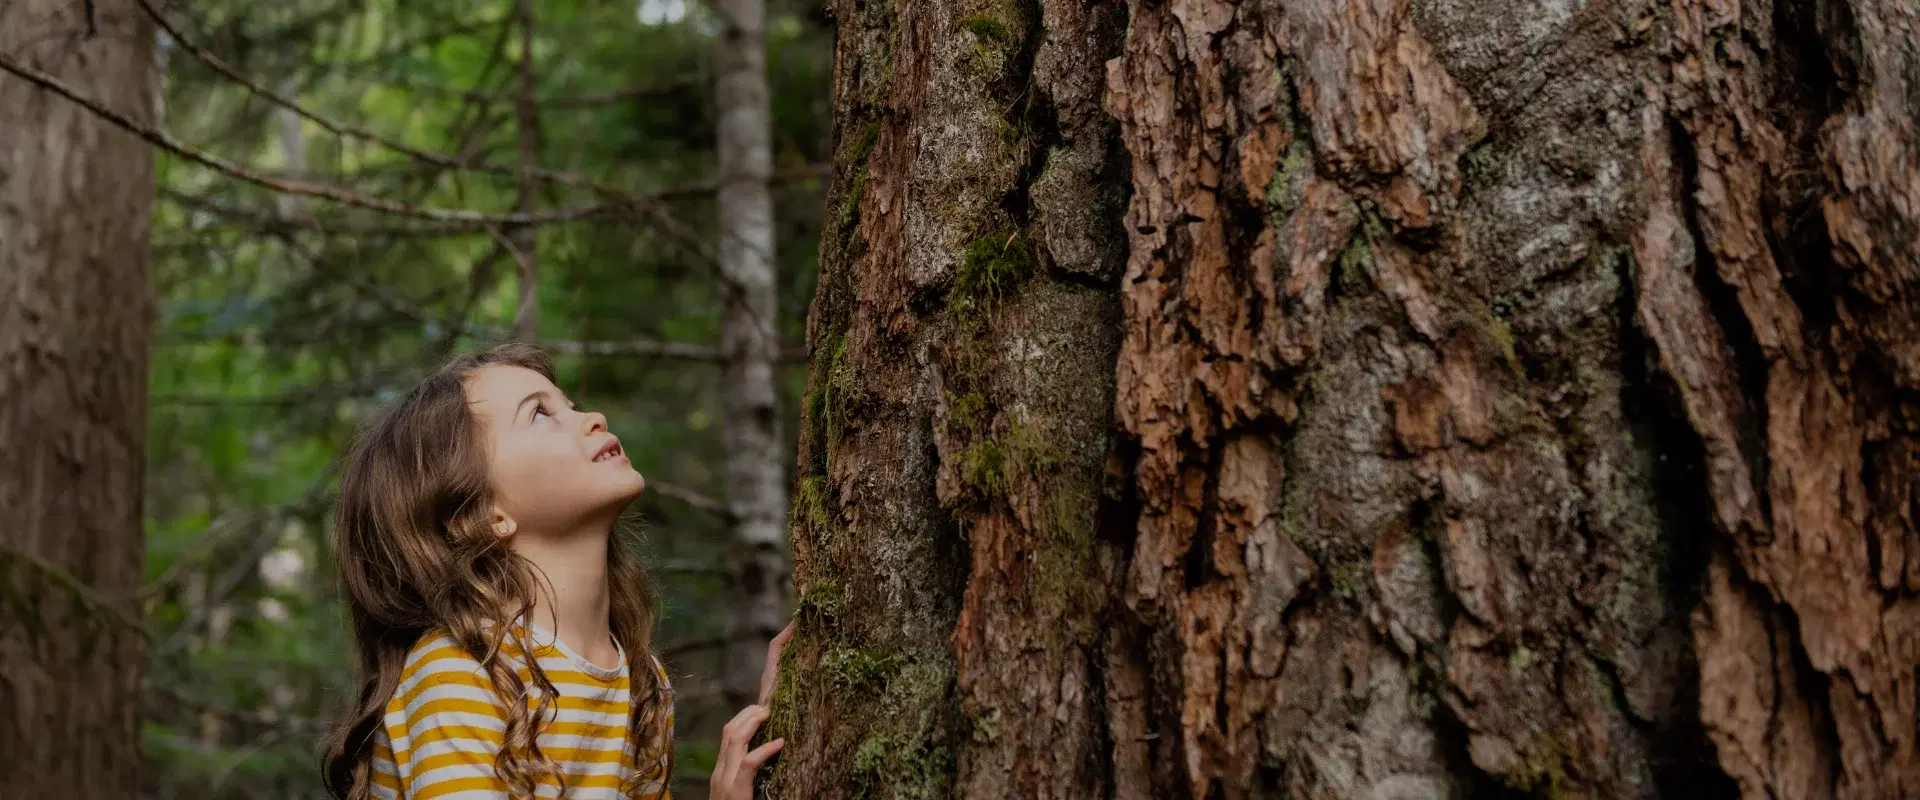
(756, 481)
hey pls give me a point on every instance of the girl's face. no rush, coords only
(553, 468)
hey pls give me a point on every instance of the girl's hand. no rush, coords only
(733, 772)
(771, 674)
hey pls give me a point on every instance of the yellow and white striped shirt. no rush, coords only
(444, 726)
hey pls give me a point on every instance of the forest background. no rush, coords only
(285, 320)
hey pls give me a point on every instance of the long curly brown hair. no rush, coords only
(417, 553)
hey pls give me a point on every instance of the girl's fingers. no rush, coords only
(735, 764)
(759, 756)
(745, 714)
(740, 729)
(770, 675)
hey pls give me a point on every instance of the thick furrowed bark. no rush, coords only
(1521, 408)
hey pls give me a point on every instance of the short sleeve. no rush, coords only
(446, 729)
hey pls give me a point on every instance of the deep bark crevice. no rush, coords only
(1750, 363)
(1684, 764)
(1815, 81)
(1198, 568)
(1656, 415)
(1812, 684)
(1472, 781)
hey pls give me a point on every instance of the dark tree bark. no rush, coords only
(76, 320)
(1364, 398)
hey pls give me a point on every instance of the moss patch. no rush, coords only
(906, 754)
(784, 704)
(985, 726)
(1542, 771)
(810, 506)
(983, 466)
(996, 38)
(966, 415)
(819, 605)
(849, 211)
(871, 759)
(987, 28)
(1009, 132)
(1285, 188)
(864, 144)
(993, 265)
(820, 393)
(1519, 658)
(901, 767)
(1348, 580)
(853, 668)
(847, 216)
(1066, 548)
(1478, 164)
(839, 391)
(1356, 260)
(991, 465)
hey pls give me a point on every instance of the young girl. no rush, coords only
(485, 497)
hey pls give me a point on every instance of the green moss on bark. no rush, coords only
(819, 605)
(905, 755)
(986, 28)
(991, 465)
(853, 668)
(840, 392)
(993, 265)
(820, 396)
(900, 767)
(784, 721)
(966, 415)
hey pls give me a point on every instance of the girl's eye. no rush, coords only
(540, 410)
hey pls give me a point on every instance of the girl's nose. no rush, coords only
(596, 422)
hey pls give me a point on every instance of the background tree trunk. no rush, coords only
(1522, 409)
(76, 322)
(757, 607)
(524, 240)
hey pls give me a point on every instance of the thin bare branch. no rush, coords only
(336, 194)
(689, 497)
(691, 646)
(437, 159)
(568, 102)
(651, 348)
(96, 604)
(269, 222)
(688, 567)
(264, 540)
(804, 172)
(648, 206)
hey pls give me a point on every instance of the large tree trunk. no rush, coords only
(756, 482)
(76, 319)
(1497, 398)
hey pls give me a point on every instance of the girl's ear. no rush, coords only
(503, 525)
